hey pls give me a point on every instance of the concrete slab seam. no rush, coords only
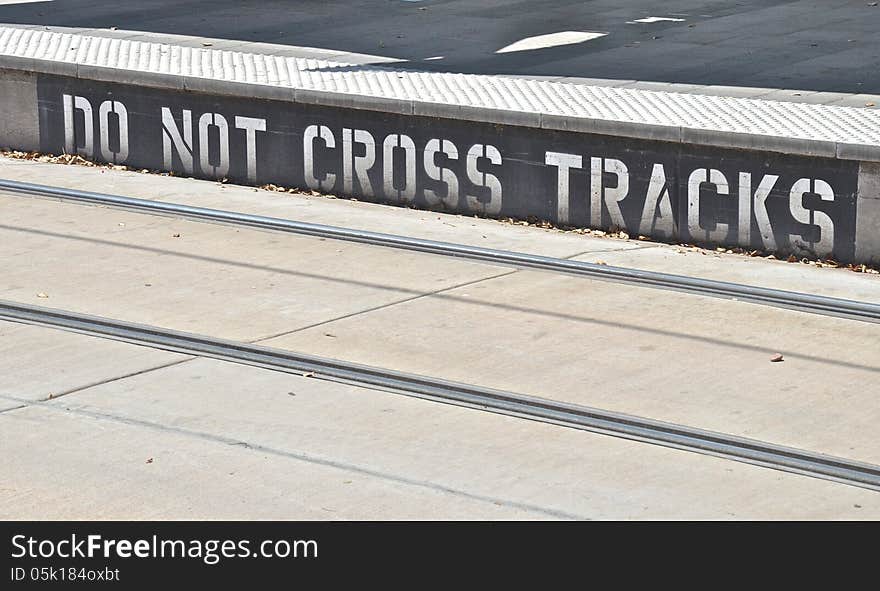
(302, 457)
(381, 307)
(110, 380)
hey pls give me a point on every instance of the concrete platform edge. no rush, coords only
(20, 129)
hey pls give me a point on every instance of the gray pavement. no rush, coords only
(212, 440)
(249, 288)
(769, 44)
(674, 357)
(81, 417)
(461, 229)
(79, 361)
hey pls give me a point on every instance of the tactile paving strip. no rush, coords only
(820, 123)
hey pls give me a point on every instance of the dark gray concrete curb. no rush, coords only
(574, 179)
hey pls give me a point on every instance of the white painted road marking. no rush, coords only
(655, 19)
(551, 40)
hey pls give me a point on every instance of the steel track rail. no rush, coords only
(520, 405)
(803, 302)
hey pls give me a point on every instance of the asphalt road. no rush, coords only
(823, 45)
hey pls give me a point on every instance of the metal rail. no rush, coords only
(803, 302)
(520, 405)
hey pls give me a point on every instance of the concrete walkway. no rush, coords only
(92, 428)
